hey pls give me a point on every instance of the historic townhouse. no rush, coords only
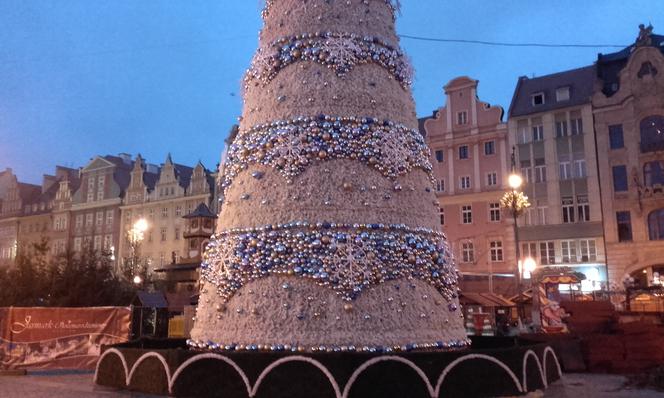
(95, 209)
(16, 196)
(162, 196)
(39, 222)
(629, 124)
(469, 148)
(551, 128)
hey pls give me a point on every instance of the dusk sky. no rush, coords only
(85, 77)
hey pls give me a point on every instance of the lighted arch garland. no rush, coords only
(346, 258)
(395, 5)
(338, 51)
(291, 145)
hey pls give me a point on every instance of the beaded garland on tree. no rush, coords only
(289, 146)
(346, 258)
(338, 51)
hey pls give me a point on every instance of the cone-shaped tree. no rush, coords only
(329, 236)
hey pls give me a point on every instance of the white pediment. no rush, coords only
(97, 164)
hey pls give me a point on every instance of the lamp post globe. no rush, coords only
(515, 181)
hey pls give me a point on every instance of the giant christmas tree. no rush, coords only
(329, 237)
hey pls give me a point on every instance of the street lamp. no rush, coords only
(516, 203)
(135, 236)
(138, 280)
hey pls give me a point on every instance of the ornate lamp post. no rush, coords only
(136, 235)
(516, 203)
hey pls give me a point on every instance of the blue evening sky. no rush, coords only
(86, 77)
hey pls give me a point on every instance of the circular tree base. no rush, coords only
(491, 367)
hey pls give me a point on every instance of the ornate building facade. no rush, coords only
(163, 195)
(468, 142)
(628, 107)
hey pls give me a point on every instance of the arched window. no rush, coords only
(652, 133)
(653, 173)
(656, 224)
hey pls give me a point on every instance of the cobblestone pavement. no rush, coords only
(80, 385)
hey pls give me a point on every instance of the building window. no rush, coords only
(624, 219)
(580, 170)
(462, 117)
(467, 214)
(526, 171)
(463, 152)
(164, 212)
(561, 126)
(496, 248)
(494, 212)
(588, 250)
(467, 252)
(522, 135)
(492, 179)
(91, 189)
(79, 221)
(540, 170)
(576, 123)
(77, 244)
(151, 213)
(99, 219)
(653, 173)
(490, 148)
(97, 243)
(562, 94)
(583, 207)
(89, 219)
(529, 250)
(538, 132)
(568, 209)
(440, 156)
(565, 170)
(569, 251)
(547, 253)
(107, 242)
(464, 182)
(652, 133)
(656, 225)
(177, 233)
(441, 212)
(178, 210)
(440, 185)
(109, 217)
(163, 234)
(616, 139)
(537, 99)
(620, 179)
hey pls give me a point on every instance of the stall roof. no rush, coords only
(151, 299)
(488, 299)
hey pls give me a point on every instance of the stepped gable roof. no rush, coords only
(201, 211)
(580, 82)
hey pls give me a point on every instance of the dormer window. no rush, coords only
(562, 94)
(462, 117)
(537, 99)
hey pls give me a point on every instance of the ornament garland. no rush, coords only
(345, 258)
(338, 51)
(291, 145)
